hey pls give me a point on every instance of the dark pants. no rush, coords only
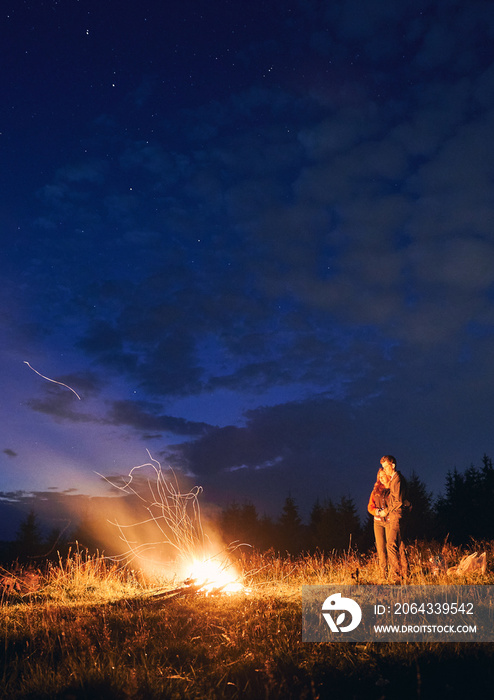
(397, 560)
(380, 536)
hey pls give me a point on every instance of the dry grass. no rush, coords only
(284, 573)
(71, 639)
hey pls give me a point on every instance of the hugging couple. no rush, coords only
(387, 504)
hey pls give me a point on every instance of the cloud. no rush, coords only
(324, 219)
(336, 134)
(64, 511)
(279, 436)
(62, 403)
(62, 408)
(9, 452)
(279, 235)
(145, 416)
(461, 265)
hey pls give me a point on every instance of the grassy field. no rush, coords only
(87, 629)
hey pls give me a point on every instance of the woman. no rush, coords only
(377, 508)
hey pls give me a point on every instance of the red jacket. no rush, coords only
(378, 500)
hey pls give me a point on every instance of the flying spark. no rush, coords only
(52, 380)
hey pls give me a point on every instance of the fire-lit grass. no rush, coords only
(72, 639)
(88, 580)
(273, 572)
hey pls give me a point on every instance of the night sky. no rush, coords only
(256, 238)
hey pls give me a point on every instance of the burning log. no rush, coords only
(189, 587)
(159, 596)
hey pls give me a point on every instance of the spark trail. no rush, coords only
(52, 380)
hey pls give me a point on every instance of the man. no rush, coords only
(394, 513)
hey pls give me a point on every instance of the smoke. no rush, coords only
(159, 524)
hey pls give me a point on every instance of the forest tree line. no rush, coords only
(464, 512)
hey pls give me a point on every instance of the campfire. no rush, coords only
(214, 577)
(175, 519)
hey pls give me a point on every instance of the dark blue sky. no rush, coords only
(256, 239)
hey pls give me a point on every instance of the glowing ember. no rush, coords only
(212, 575)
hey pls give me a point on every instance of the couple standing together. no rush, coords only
(386, 504)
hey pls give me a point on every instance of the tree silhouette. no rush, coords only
(419, 522)
(28, 543)
(334, 527)
(465, 510)
(230, 523)
(327, 526)
(315, 526)
(56, 544)
(267, 533)
(290, 531)
(240, 524)
(348, 531)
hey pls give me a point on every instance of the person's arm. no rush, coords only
(372, 508)
(395, 494)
